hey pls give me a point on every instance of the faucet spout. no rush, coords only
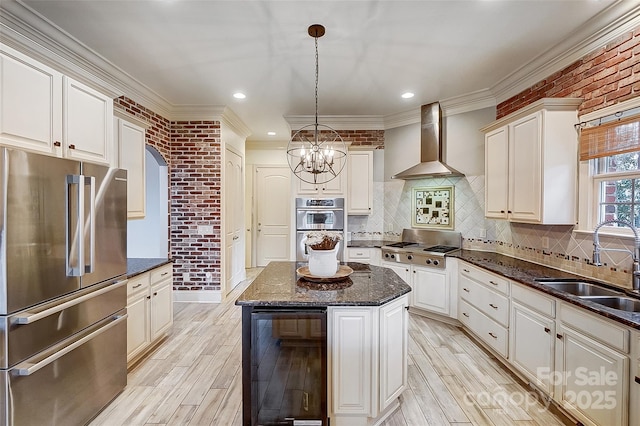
(635, 254)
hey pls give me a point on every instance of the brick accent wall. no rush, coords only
(195, 200)
(366, 138)
(607, 76)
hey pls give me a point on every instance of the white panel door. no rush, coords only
(131, 153)
(273, 208)
(360, 183)
(393, 350)
(430, 290)
(234, 221)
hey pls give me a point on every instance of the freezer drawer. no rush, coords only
(28, 332)
(70, 382)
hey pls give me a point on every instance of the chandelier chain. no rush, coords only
(316, 39)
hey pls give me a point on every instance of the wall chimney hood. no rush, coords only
(431, 155)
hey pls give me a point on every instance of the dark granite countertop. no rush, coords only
(139, 265)
(369, 243)
(526, 273)
(279, 285)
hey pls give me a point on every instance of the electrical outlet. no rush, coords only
(205, 229)
(545, 242)
(185, 276)
(209, 276)
(482, 233)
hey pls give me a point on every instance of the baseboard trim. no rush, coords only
(197, 296)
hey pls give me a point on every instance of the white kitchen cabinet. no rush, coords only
(333, 188)
(532, 336)
(536, 147)
(532, 346)
(42, 110)
(131, 156)
(634, 380)
(368, 255)
(430, 289)
(30, 103)
(484, 306)
(368, 360)
(138, 316)
(149, 309)
(360, 183)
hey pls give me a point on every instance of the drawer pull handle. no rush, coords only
(465, 314)
(637, 379)
(466, 270)
(137, 285)
(493, 335)
(493, 306)
(559, 336)
(493, 282)
(466, 289)
(164, 273)
(547, 330)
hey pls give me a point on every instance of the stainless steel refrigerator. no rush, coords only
(63, 265)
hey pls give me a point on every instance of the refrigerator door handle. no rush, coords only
(90, 181)
(27, 368)
(75, 219)
(30, 318)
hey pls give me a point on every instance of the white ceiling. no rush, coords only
(189, 52)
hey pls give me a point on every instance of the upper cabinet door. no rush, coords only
(496, 173)
(360, 183)
(525, 175)
(131, 153)
(88, 128)
(30, 103)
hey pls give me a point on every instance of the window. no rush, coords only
(616, 181)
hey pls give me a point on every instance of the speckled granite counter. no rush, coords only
(526, 273)
(369, 243)
(139, 265)
(279, 285)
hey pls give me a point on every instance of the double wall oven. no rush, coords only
(313, 214)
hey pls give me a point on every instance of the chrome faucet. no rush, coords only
(635, 254)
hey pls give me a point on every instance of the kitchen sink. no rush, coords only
(580, 288)
(621, 303)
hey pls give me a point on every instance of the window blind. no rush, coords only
(615, 137)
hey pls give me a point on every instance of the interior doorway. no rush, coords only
(272, 195)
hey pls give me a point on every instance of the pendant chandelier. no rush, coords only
(316, 153)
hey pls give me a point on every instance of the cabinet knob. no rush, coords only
(637, 379)
(547, 330)
(559, 336)
(57, 143)
(155, 293)
(72, 146)
(509, 211)
(148, 297)
(501, 211)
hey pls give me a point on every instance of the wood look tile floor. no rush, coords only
(195, 378)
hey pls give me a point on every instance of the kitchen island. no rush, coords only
(334, 348)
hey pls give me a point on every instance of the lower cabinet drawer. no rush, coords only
(493, 334)
(491, 303)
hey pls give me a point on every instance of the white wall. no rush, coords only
(464, 142)
(401, 149)
(148, 237)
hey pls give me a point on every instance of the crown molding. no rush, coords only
(27, 31)
(400, 119)
(616, 20)
(469, 102)
(549, 104)
(338, 122)
(232, 121)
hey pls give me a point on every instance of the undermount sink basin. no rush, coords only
(580, 288)
(621, 303)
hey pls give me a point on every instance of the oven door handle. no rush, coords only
(30, 318)
(27, 368)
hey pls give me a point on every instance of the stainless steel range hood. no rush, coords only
(431, 149)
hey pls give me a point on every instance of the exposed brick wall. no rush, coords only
(196, 161)
(607, 76)
(368, 138)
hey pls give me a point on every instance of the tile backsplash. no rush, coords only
(567, 250)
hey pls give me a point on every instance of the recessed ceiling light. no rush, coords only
(239, 95)
(407, 95)
(271, 133)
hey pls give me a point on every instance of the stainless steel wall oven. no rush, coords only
(318, 214)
